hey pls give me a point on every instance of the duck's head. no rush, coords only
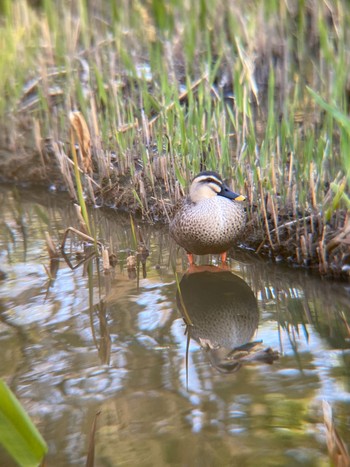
(208, 184)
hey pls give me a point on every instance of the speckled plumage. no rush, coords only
(221, 306)
(209, 225)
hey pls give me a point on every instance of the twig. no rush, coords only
(288, 224)
(80, 234)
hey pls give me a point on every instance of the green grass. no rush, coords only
(256, 90)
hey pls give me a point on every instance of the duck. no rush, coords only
(210, 219)
(221, 314)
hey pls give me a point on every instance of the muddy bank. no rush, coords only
(305, 241)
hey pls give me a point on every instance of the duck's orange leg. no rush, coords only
(223, 257)
(190, 258)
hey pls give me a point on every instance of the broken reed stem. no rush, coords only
(303, 245)
(273, 200)
(290, 178)
(91, 449)
(274, 216)
(263, 206)
(63, 161)
(343, 318)
(80, 234)
(322, 253)
(51, 247)
(105, 259)
(78, 182)
(82, 171)
(289, 224)
(80, 219)
(312, 187)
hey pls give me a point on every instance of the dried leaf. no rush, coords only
(83, 134)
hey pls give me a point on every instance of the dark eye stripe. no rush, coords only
(212, 180)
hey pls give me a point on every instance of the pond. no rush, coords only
(242, 383)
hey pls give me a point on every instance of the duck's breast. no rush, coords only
(209, 226)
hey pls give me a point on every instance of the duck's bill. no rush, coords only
(227, 193)
(239, 198)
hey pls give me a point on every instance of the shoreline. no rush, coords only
(256, 239)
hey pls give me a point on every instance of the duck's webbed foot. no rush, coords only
(223, 257)
(190, 258)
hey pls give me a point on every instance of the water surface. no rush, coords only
(76, 342)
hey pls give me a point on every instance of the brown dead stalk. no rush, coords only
(83, 134)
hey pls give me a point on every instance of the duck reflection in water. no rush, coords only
(221, 313)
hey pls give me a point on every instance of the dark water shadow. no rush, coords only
(221, 314)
